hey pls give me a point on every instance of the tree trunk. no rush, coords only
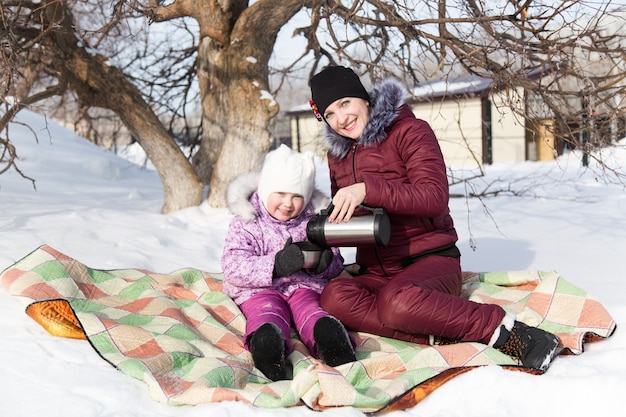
(237, 114)
(234, 90)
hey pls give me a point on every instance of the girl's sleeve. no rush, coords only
(243, 262)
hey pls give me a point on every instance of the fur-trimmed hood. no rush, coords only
(385, 100)
(242, 188)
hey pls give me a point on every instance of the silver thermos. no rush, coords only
(369, 226)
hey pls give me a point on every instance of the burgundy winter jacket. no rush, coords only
(399, 160)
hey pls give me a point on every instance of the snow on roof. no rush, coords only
(301, 108)
(464, 85)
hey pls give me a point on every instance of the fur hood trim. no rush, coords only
(385, 100)
(244, 186)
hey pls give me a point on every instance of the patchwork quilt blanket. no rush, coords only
(181, 335)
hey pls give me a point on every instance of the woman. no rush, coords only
(381, 155)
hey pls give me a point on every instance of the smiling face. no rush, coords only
(284, 206)
(348, 116)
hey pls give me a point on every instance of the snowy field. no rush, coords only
(105, 212)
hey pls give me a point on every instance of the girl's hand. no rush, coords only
(345, 201)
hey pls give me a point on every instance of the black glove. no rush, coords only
(326, 257)
(288, 260)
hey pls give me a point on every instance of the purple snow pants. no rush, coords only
(302, 308)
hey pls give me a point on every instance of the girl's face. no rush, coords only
(348, 116)
(284, 206)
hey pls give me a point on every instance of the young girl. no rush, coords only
(263, 265)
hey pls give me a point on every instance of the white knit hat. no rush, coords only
(287, 171)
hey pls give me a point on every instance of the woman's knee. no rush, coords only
(350, 296)
(333, 295)
(398, 304)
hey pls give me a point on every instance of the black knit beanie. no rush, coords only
(333, 83)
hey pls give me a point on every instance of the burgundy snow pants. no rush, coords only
(302, 308)
(417, 301)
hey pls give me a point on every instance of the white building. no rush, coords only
(473, 121)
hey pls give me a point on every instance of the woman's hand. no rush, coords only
(345, 201)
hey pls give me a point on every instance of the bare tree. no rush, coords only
(67, 63)
(576, 46)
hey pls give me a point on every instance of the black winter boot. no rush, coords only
(532, 347)
(268, 351)
(333, 342)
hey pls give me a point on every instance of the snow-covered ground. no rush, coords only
(105, 211)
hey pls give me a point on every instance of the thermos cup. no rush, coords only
(369, 226)
(311, 253)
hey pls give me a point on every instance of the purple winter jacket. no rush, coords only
(253, 239)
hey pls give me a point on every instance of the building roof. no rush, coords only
(463, 86)
(466, 85)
